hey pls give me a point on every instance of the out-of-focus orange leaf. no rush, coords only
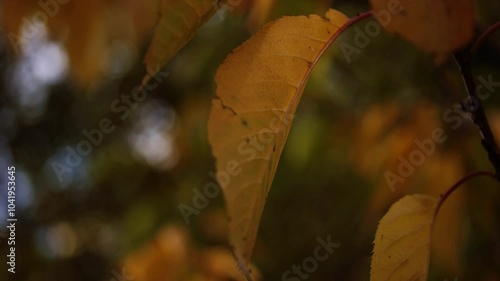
(166, 257)
(171, 255)
(386, 134)
(258, 14)
(438, 27)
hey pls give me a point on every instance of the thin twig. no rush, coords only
(484, 36)
(457, 185)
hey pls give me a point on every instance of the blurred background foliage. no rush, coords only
(116, 213)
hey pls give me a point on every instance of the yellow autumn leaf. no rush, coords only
(438, 27)
(402, 241)
(258, 88)
(179, 21)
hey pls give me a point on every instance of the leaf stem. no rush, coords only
(344, 27)
(458, 184)
(484, 36)
(359, 17)
(476, 111)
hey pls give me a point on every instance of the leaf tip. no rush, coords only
(242, 264)
(336, 17)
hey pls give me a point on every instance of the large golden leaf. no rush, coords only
(258, 88)
(402, 241)
(179, 21)
(437, 26)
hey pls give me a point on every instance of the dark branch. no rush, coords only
(476, 111)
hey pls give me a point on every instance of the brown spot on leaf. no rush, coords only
(244, 122)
